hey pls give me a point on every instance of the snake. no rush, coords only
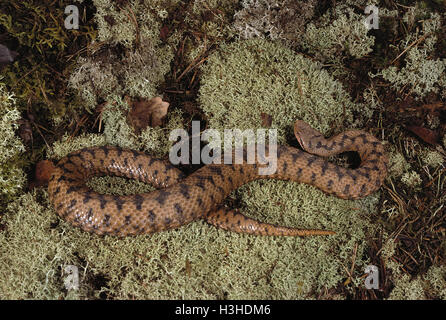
(180, 199)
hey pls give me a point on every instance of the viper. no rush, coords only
(180, 200)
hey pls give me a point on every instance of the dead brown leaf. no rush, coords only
(145, 113)
(424, 134)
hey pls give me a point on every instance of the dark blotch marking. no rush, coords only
(200, 201)
(128, 219)
(339, 172)
(119, 202)
(347, 189)
(107, 220)
(363, 189)
(105, 149)
(352, 175)
(89, 214)
(364, 174)
(66, 170)
(296, 155)
(138, 200)
(102, 201)
(209, 178)
(151, 161)
(72, 189)
(280, 151)
(330, 184)
(135, 153)
(163, 195)
(91, 151)
(216, 170)
(179, 211)
(377, 183)
(200, 184)
(324, 168)
(299, 172)
(151, 215)
(313, 177)
(311, 159)
(285, 166)
(184, 190)
(79, 155)
(87, 197)
(72, 203)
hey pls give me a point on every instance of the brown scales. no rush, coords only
(181, 200)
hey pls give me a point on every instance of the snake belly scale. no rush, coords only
(181, 200)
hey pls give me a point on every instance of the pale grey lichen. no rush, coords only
(68, 144)
(337, 34)
(12, 177)
(432, 158)
(129, 57)
(411, 179)
(274, 19)
(398, 164)
(420, 74)
(245, 78)
(103, 75)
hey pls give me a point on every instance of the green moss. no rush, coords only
(35, 29)
(243, 79)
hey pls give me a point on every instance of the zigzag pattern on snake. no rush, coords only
(181, 200)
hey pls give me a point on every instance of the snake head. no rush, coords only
(304, 133)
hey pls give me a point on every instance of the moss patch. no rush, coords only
(246, 78)
(196, 261)
(12, 177)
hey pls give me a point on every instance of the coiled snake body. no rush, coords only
(184, 199)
